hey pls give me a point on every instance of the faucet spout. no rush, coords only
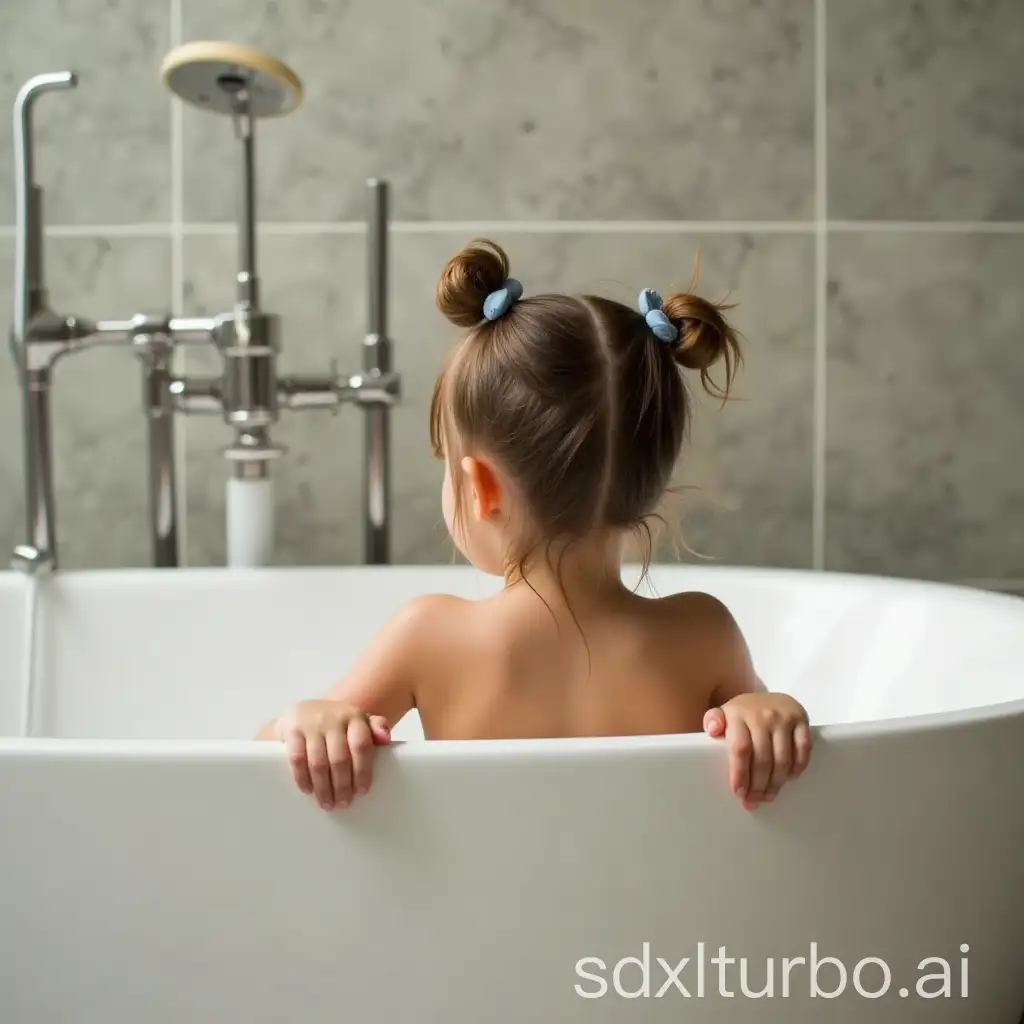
(30, 304)
(29, 289)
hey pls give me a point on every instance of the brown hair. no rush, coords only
(573, 396)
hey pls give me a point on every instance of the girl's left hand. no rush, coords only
(769, 740)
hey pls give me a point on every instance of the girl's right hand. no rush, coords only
(330, 749)
(769, 739)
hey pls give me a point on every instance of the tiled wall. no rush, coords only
(851, 170)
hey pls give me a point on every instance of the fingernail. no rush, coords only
(361, 790)
(343, 803)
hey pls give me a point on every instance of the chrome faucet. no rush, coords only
(248, 393)
(40, 337)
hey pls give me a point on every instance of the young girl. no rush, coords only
(559, 420)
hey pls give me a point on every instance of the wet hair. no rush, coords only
(573, 397)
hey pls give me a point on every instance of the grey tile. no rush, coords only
(755, 456)
(513, 109)
(103, 148)
(315, 285)
(925, 414)
(98, 423)
(926, 109)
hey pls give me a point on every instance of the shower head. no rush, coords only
(209, 75)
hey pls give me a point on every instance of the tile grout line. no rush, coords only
(820, 412)
(936, 227)
(272, 228)
(427, 227)
(155, 230)
(177, 239)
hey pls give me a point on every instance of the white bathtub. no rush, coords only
(157, 866)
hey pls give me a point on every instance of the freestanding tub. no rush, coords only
(157, 866)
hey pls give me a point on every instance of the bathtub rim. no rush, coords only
(726, 571)
(801, 578)
(692, 744)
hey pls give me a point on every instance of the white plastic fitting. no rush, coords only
(250, 522)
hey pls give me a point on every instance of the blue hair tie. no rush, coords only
(499, 302)
(661, 327)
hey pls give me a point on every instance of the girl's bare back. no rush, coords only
(512, 666)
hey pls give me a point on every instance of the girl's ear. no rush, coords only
(484, 486)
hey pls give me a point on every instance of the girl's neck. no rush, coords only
(580, 572)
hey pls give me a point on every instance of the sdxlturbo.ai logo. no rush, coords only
(826, 976)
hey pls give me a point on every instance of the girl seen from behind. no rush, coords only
(559, 420)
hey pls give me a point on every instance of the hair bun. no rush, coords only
(705, 337)
(469, 277)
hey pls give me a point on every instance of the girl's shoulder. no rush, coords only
(694, 606)
(694, 622)
(431, 617)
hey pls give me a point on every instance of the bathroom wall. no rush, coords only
(850, 171)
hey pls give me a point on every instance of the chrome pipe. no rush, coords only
(248, 279)
(377, 486)
(163, 490)
(377, 362)
(324, 391)
(114, 330)
(111, 332)
(377, 258)
(196, 395)
(28, 229)
(34, 259)
(39, 504)
(372, 390)
(317, 391)
(181, 330)
(191, 330)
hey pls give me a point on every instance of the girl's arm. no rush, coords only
(768, 734)
(330, 739)
(382, 680)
